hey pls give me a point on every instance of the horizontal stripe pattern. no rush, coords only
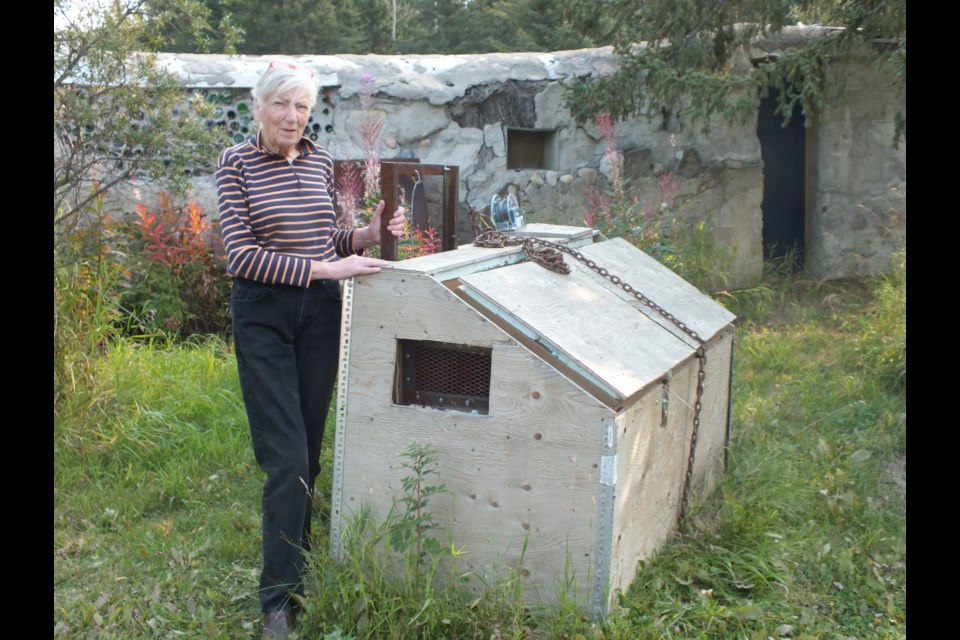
(275, 217)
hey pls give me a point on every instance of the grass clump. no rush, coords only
(883, 345)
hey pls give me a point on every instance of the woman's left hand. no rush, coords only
(396, 225)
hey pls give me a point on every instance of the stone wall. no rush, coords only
(457, 110)
(859, 213)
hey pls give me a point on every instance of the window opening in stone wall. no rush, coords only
(531, 149)
(443, 376)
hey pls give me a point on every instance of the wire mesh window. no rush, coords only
(443, 376)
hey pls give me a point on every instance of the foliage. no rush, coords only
(117, 114)
(410, 533)
(155, 498)
(454, 26)
(808, 535)
(395, 578)
(883, 343)
(174, 282)
(397, 26)
(154, 278)
(360, 594)
(654, 224)
(86, 312)
(684, 55)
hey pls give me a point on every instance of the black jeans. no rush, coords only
(287, 341)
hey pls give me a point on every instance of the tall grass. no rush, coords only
(155, 498)
(883, 344)
(157, 502)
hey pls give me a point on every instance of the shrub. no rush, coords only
(175, 284)
(86, 307)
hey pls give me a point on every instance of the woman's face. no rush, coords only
(283, 119)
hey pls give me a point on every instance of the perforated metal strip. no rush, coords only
(608, 495)
(336, 494)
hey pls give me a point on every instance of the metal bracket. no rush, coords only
(608, 493)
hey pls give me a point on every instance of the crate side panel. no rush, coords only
(527, 471)
(379, 310)
(651, 465)
(393, 304)
(709, 461)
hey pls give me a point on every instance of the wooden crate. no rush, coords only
(571, 465)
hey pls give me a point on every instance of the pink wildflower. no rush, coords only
(349, 188)
(599, 206)
(611, 154)
(668, 184)
(371, 134)
(367, 89)
(605, 124)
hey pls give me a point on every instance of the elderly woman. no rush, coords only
(286, 257)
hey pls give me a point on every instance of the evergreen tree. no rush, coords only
(285, 27)
(685, 61)
(364, 26)
(551, 26)
(437, 28)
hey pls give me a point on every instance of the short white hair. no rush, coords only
(282, 76)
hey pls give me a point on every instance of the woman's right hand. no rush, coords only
(344, 268)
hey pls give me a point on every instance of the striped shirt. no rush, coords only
(277, 216)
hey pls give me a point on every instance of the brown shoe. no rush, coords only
(278, 625)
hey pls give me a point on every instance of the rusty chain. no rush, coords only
(550, 255)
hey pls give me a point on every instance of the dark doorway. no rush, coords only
(782, 149)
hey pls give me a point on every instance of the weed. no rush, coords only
(398, 577)
(655, 224)
(410, 530)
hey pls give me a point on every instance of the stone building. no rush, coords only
(835, 188)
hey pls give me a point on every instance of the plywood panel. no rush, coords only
(662, 286)
(710, 457)
(470, 258)
(465, 256)
(589, 324)
(552, 232)
(526, 471)
(651, 464)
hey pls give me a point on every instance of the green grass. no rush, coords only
(156, 501)
(156, 515)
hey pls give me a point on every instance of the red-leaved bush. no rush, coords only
(174, 280)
